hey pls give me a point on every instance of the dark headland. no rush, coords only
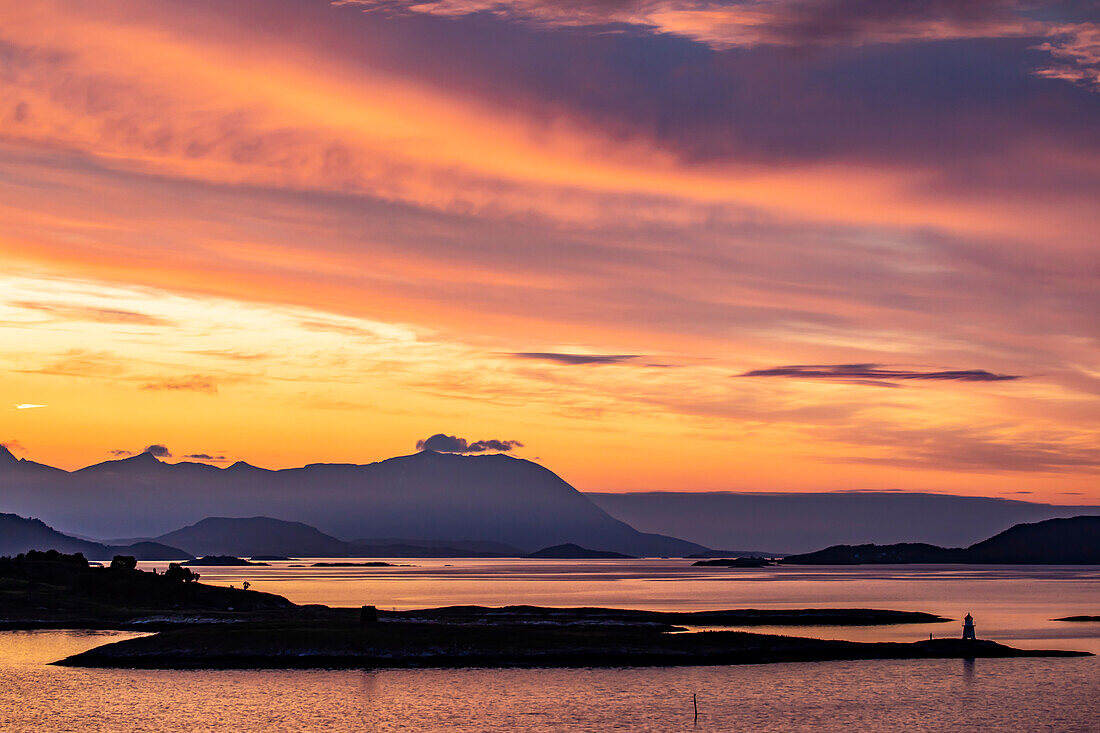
(53, 590)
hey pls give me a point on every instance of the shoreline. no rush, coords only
(435, 646)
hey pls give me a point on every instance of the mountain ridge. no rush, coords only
(426, 496)
(1063, 541)
(800, 522)
(21, 534)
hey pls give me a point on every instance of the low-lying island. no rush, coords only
(412, 643)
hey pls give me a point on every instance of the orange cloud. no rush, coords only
(193, 383)
(369, 248)
(275, 114)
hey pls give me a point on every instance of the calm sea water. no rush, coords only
(1014, 605)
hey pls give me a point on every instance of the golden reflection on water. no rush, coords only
(875, 696)
(1013, 604)
(1010, 604)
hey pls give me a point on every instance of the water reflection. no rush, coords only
(875, 696)
(1012, 604)
(968, 670)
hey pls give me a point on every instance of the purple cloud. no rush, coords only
(205, 457)
(875, 375)
(575, 359)
(441, 443)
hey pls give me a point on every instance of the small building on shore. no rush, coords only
(968, 627)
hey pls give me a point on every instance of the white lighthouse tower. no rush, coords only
(968, 627)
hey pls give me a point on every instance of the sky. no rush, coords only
(755, 245)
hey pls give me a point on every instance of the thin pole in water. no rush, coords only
(695, 704)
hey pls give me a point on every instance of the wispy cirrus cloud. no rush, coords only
(192, 383)
(84, 363)
(231, 354)
(991, 449)
(575, 359)
(876, 374)
(801, 23)
(756, 22)
(94, 314)
(752, 22)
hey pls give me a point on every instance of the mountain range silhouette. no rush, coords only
(424, 497)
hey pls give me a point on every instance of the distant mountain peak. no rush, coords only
(135, 462)
(427, 455)
(141, 459)
(7, 457)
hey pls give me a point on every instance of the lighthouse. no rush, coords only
(968, 627)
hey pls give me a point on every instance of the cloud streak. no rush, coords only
(575, 359)
(752, 22)
(192, 383)
(206, 457)
(876, 374)
(723, 24)
(94, 314)
(991, 450)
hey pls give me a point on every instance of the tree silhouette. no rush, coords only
(179, 574)
(124, 562)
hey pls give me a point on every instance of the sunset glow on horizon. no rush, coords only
(772, 245)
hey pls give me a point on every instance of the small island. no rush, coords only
(1078, 619)
(570, 551)
(371, 564)
(221, 561)
(735, 562)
